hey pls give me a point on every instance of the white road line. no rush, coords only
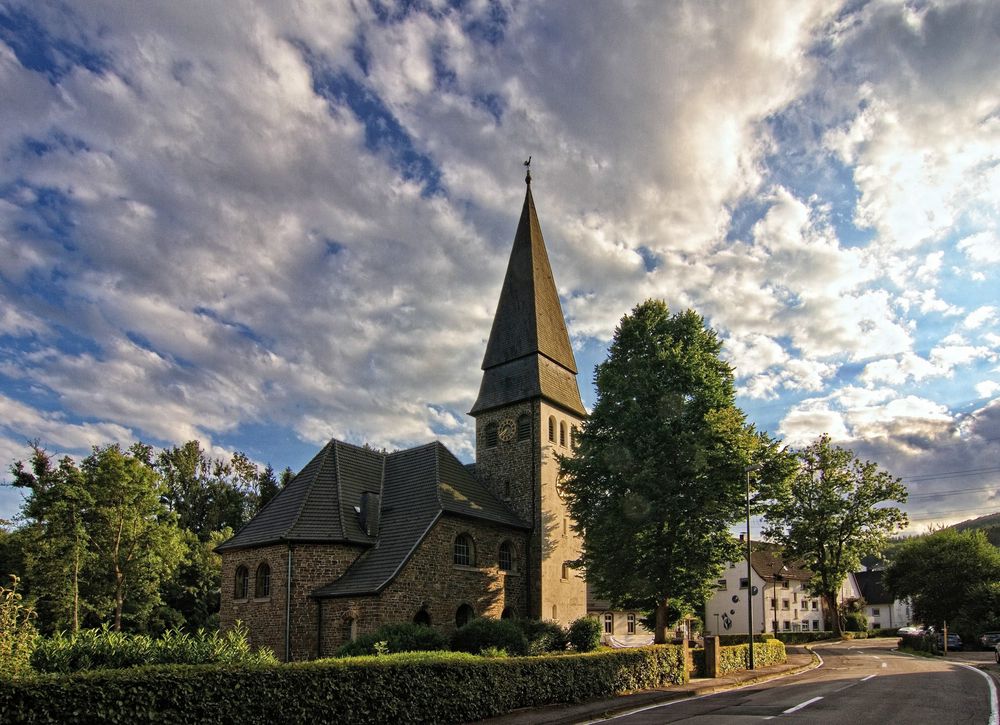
(994, 715)
(801, 705)
(865, 679)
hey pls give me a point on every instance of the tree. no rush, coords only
(830, 514)
(657, 476)
(134, 538)
(947, 574)
(55, 509)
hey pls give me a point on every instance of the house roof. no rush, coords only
(415, 486)
(872, 589)
(529, 353)
(767, 560)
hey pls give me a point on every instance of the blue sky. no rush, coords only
(265, 226)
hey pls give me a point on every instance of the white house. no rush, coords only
(777, 589)
(882, 610)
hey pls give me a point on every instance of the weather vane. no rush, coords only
(527, 176)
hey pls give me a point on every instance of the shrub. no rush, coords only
(92, 649)
(737, 657)
(452, 687)
(543, 636)
(400, 637)
(481, 633)
(803, 637)
(585, 634)
(18, 635)
(855, 622)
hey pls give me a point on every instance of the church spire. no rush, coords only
(529, 353)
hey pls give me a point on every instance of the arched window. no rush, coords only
(262, 582)
(524, 427)
(242, 583)
(465, 550)
(507, 613)
(555, 612)
(351, 629)
(464, 615)
(562, 433)
(422, 618)
(573, 433)
(490, 435)
(506, 556)
(565, 570)
(552, 428)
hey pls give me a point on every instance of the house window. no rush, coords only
(875, 611)
(786, 584)
(552, 428)
(630, 623)
(242, 583)
(815, 605)
(523, 427)
(423, 618)
(465, 552)
(723, 584)
(351, 628)
(815, 625)
(876, 625)
(786, 625)
(774, 603)
(784, 604)
(262, 582)
(506, 557)
(490, 435)
(609, 623)
(565, 571)
(555, 612)
(464, 615)
(744, 582)
(562, 433)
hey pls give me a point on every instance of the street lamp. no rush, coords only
(748, 470)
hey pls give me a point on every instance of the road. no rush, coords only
(859, 682)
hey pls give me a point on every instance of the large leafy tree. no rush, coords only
(56, 541)
(657, 477)
(948, 576)
(831, 513)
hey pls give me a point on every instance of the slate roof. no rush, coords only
(766, 560)
(416, 486)
(871, 587)
(529, 353)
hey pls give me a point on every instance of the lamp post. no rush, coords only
(748, 470)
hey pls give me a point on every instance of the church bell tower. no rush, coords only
(527, 413)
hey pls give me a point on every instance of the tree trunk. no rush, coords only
(660, 634)
(831, 605)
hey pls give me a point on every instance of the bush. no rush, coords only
(737, 657)
(585, 634)
(92, 649)
(543, 636)
(803, 637)
(400, 637)
(855, 622)
(482, 633)
(18, 635)
(918, 643)
(450, 687)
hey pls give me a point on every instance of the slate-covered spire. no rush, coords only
(529, 353)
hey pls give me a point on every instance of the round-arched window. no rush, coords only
(465, 550)
(562, 433)
(507, 613)
(552, 428)
(464, 615)
(262, 582)
(506, 556)
(241, 584)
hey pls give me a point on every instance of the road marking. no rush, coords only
(885, 664)
(801, 705)
(994, 715)
(865, 679)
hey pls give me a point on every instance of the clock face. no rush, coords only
(507, 431)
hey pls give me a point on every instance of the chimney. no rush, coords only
(369, 512)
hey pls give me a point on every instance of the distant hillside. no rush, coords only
(989, 525)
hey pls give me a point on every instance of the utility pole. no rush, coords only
(748, 469)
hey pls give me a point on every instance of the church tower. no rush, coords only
(527, 413)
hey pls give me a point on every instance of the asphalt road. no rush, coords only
(858, 682)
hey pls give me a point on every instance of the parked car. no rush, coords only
(989, 639)
(996, 652)
(954, 642)
(910, 630)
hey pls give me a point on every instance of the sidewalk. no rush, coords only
(799, 659)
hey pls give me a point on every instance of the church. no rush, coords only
(360, 538)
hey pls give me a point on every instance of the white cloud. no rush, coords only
(987, 314)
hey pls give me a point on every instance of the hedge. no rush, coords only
(733, 658)
(411, 687)
(803, 637)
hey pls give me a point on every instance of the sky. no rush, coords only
(263, 225)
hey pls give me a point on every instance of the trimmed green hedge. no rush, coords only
(803, 637)
(411, 687)
(399, 637)
(734, 657)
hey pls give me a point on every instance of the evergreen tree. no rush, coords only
(658, 474)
